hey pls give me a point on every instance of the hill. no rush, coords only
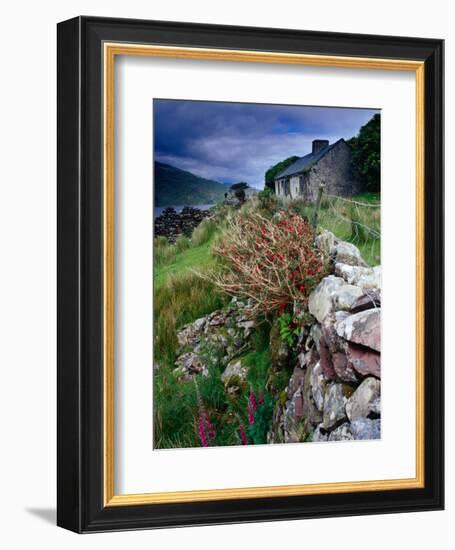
(175, 187)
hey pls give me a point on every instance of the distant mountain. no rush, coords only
(175, 187)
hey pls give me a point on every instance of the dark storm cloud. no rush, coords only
(237, 141)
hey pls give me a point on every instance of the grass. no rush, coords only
(349, 222)
(204, 232)
(176, 406)
(195, 257)
(258, 361)
(370, 247)
(180, 297)
(176, 409)
(368, 197)
(182, 243)
(164, 253)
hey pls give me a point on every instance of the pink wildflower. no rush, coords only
(206, 430)
(252, 401)
(243, 435)
(252, 407)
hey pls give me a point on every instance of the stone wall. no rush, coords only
(334, 392)
(334, 389)
(295, 186)
(334, 170)
(170, 224)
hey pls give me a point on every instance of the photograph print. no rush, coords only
(267, 274)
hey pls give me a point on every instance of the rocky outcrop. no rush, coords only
(219, 337)
(171, 224)
(234, 376)
(189, 364)
(338, 394)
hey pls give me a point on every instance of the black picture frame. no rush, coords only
(80, 474)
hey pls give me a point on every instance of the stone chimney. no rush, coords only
(319, 144)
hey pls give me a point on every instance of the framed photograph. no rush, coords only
(250, 274)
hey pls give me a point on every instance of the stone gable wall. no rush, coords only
(334, 170)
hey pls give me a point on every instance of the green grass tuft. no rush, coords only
(181, 299)
(195, 257)
(164, 253)
(174, 411)
(182, 243)
(204, 232)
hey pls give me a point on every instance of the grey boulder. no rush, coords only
(319, 434)
(359, 404)
(334, 406)
(342, 433)
(318, 385)
(190, 364)
(365, 428)
(346, 296)
(367, 278)
(362, 328)
(363, 360)
(349, 254)
(320, 302)
(235, 373)
(326, 242)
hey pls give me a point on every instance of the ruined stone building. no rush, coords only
(326, 164)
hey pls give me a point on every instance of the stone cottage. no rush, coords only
(326, 164)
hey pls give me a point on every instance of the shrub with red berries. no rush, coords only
(274, 262)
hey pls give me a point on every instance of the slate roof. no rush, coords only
(304, 163)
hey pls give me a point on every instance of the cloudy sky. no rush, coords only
(231, 142)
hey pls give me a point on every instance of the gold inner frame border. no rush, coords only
(110, 51)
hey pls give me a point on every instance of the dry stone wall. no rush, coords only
(171, 224)
(334, 393)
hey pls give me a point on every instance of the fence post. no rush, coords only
(314, 222)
